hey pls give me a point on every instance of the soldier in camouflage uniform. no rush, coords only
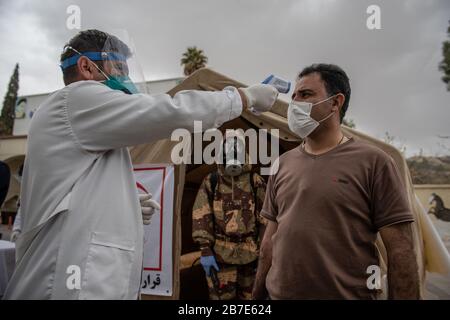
(228, 228)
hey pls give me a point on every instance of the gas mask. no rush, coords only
(233, 155)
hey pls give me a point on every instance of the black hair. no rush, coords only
(91, 40)
(335, 79)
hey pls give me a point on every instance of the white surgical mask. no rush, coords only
(299, 117)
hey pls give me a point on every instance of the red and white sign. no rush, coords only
(157, 274)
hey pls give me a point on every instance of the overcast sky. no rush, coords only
(396, 85)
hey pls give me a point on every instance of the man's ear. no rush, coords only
(338, 102)
(85, 68)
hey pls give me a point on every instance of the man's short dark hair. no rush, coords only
(91, 40)
(335, 79)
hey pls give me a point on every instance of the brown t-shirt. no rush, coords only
(329, 208)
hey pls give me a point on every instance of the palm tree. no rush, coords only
(193, 59)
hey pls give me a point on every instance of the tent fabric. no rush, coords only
(430, 251)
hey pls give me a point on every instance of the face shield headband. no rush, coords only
(94, 56)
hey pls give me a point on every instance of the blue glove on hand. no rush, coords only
(208, 262)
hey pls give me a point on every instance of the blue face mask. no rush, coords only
(122, 83)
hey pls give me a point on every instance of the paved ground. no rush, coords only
(438, 287)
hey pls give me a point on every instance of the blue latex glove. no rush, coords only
(208, 262)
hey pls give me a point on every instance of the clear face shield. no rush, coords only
(124, 74)
(116, 61)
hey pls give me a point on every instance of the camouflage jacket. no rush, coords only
(229, 226)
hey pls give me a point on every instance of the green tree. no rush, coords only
(349, 123)
(393, 142)
(444, 66)
(192, 60)
(9, 104)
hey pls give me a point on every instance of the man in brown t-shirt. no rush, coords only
(326, 203)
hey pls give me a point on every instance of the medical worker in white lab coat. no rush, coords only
(80, 209)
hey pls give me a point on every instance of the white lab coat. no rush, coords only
(79, 204)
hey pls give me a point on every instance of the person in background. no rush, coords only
(17, 226)
(5, 176)
(227, 224)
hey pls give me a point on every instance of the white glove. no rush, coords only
(260, 97)
(14, 235)
(148, 207)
